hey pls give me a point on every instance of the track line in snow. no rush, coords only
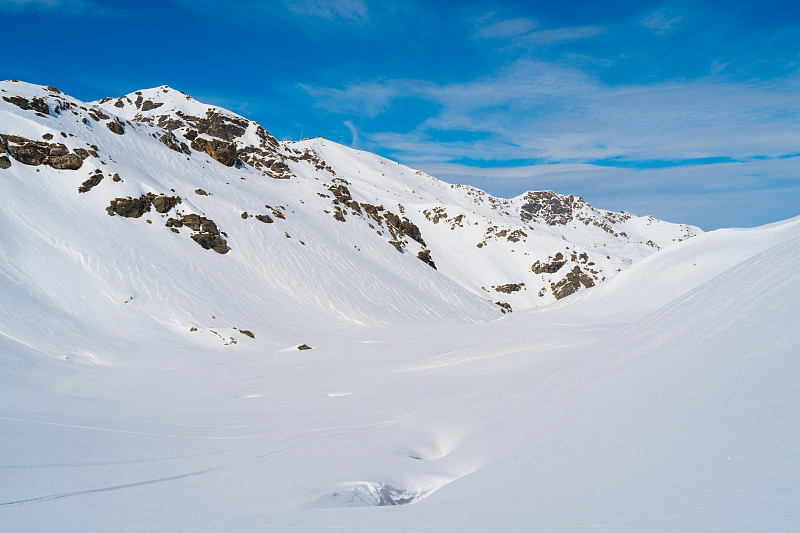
(128, 431)
(58, 496)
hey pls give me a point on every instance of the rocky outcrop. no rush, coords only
(35, 104)
(571, 283)
(221, 151)
(93, 180)
(425, 257)
(34, 153)
(508, 288)
(169, 140)
(548, 207)
(136, 207)
(550, 266)
(116, 127)
(215, 124)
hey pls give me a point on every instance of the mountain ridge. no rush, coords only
(329, 218)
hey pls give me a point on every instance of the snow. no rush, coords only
(663, 399)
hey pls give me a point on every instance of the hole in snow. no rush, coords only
(370, 494)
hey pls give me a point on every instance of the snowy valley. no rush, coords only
(204, 328)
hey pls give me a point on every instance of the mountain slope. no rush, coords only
(108, 202)
(683, 419)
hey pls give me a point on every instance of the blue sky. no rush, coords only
(684, 110)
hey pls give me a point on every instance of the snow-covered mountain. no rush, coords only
(300, 229)
(205, 329)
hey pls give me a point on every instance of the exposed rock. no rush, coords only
(201, 192)
(65, 162)
(93, 180)
(129, 207)
(211, 242)
(5, 162)
(341, 194)
(551, 266)
(508, 288)
(200, 223)
(116, 177)
(222, 151)
(245, 215)
(170, 124)
(162, 204)
(170, 141)
(571, 283)
(403, 227)
(147, 105)
(47, 136)
(136, 207)
(265, 218)
(304, 347)
(504, 307)
(116, 127)
(549, 207)
(247, 332)
(33, 153)
(217, 125)
(36, 104)
(425, 257)
(98, 115)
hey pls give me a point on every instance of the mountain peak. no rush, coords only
(311, 214)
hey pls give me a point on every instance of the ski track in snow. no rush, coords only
(50, 497)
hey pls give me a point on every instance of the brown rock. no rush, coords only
(222, 151)
(93, 180)
(65, 162)
(162, 204)
(129, 207)
(5, 162)
(116, 127)
(211, 242)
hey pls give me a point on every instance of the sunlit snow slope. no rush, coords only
(151, 381)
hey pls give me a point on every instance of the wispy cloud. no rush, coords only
(506, 29)
(580, 132)
(661, 22)
(68, 8)
(353, 131)
(559, 35)
(352, 11)
(560, 114)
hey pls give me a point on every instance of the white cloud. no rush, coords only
(353, 131)
(559, 114)
(506, 29)
(63, 7)
(661, 22)
(353, 11)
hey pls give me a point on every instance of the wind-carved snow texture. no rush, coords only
(148, 383)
